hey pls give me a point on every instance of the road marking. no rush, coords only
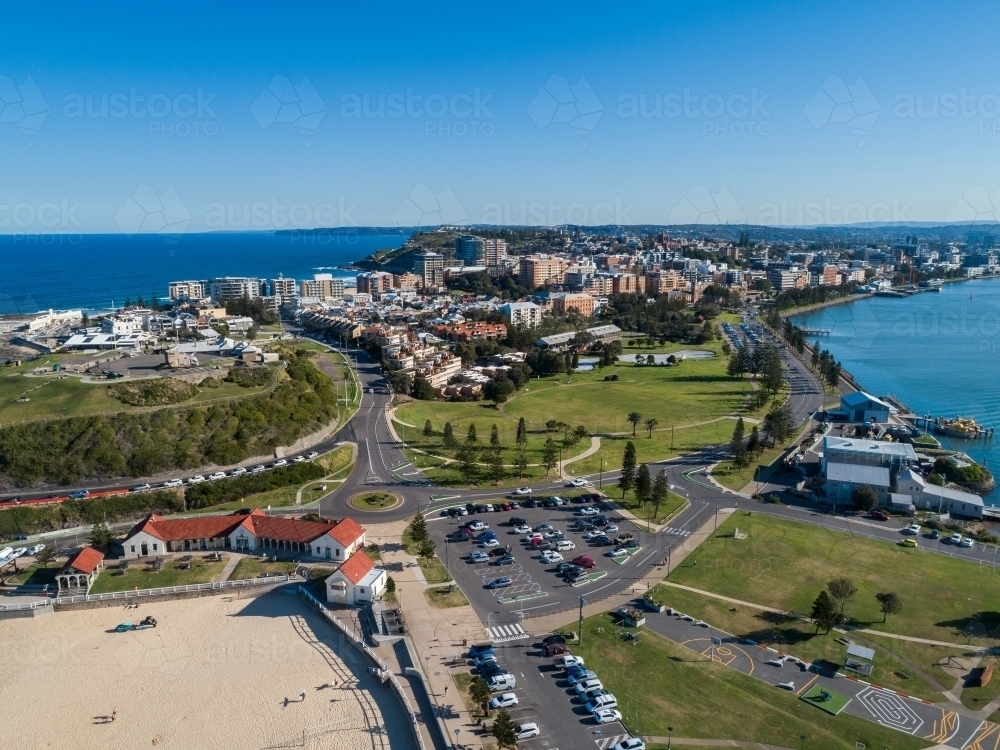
(505, 633)
(944, 728)
(890, 710)
(678, 532)
(606, 742)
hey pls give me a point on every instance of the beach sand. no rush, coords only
(217, 672)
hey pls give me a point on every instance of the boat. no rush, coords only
(961, 427)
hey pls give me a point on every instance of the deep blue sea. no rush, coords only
(939, 353)
(39, 272)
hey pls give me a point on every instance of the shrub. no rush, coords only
(226, 490)
(156, 392)
(36, 519)
(250, 377)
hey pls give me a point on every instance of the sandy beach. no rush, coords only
(217, 672)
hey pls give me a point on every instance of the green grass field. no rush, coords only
(688, 401)
(138, 575)
(440, 597)
(660, 684)
(251, 567)
(785, 564)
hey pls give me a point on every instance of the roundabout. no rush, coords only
(374, 502)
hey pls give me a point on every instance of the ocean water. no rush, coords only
(39, 272)
(939, 353)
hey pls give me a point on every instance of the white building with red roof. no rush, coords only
(357, 581)
(255, 531)
(79, 572)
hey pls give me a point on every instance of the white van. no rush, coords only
(602, 701)
(502, 681)
(6, 552)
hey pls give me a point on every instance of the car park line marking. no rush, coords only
(606, 742)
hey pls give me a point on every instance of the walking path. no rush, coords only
(548, 623)
(716, 743)
(436, 634)
(595, 445)
(234, 560)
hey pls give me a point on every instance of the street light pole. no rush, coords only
(579, 635)
(670, 732)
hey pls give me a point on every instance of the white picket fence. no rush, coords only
(147, 593)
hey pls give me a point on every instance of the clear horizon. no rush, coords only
(779, 115)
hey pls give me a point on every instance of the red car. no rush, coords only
(506, 506)
(555, 649)
(584, 561)
(880, 515)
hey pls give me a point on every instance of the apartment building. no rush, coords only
(496, 251)
(538, 271)
(235, 287)
(783, 279)
(522, 314)
(406, 281)
(583, 304)
(626, 283)
(429, 267)
(598, 286)
(470, 250)
(663, 282)
(182, 290)
(282, 287)
(374, 282)
(472, 331)
(322, 286)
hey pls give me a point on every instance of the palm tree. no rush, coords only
(634, 419)
(651, 425)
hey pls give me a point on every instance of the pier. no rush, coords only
(966, 428)
(815, 331)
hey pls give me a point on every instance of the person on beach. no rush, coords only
(114, 714)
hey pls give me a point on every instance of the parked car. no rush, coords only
(617, 552)
(568, 660)
(543, 527)
(504, 700)
(587, 685)
(635, 743)
(517, 521)
(967, 542)
(476, 525)
(217, 476)
(935, 534)
(238, 472)
(879, 515)
(19, 552)
(912, 529)
(502, 681)
(196, 479)
(580, 675)
(311, 455)
(498, 583)
(491, 542)
(607, 715)
(258, 469)
(565, 545)
(36, 549)
(299, 459)
(505, 560)
(554, 638)
(478, 557)
(141, 488)
(526, 731)
(480, 649)
(78, 494)
(279, 463)
(955, 538)
(585, 561)
(529, 503)
(577, 483)
(555, 649)
(549, 557)
(602, 701)
(522, 530)
(522, 491)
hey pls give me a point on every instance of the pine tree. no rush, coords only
(627, 479)
(467, 456)
(471, 436)
(521, 462)
(661, 488)
(736, 444)
(522, 433)
(550, 455)
(495, 437)
(643, 484)
(449, 435)
(428, 429)
(46, 555)
(503, 730)
(753, 442)
(824, 612)
(494, 460)
(418, 528)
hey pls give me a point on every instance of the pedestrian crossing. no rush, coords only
(504, 633)
(605, 742)
(676, 532)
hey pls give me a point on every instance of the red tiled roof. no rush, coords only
(288, 529)
(176, 529)
(84, 561)
(357, 566)
(347, 532)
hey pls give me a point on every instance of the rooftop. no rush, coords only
(869, 447)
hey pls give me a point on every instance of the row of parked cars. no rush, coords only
(198, 478)
(586, 687)
(7, 553)
(503, 681)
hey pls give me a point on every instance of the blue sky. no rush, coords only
(796, 114)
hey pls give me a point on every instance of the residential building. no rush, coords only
(828, 276)
(184, 290)
(624, 283)
(235, 287)
(282, 287)
(852, 274)
(472, 331)
(496, 251)
(599, 285)
(79, 572)
(664, 281)
(537, 270)
(405, 281)
(583, 304)
(322, 286)
(356, 582)
(156, 536)
(470, 250)
(122, 325)
(784, 279)
(429, 267)
(522, 314)
(374, 282)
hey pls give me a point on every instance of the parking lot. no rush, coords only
(545, 698)
(536, 586)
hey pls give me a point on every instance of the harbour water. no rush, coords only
(38, 272)
(939, 353)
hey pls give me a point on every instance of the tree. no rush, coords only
(643, 484)
(550, 455)
(422, 389)
(521, 462)
(494, 460)
(46, 555)
(634, 419)
(824, 612)
(736, 444)
(426, 549)
(503, 730)
(101, 536)
(480, 692)
(889, 603)
(428, 430)
(390, 586)
(753, 442)
(495, 437)
(471, 435)
(522, 433)
(418, 528)
(864, 497)
(659, 492)
(842, 590)
(650, 425)
(466, 457)
(778, 423)
(627, 480)
(449, 435)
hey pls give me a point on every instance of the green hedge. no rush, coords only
(36, 519)
(226, 490)
(138, 445)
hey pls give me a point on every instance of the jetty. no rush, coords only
(815, 331)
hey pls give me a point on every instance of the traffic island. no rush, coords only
(374, 502)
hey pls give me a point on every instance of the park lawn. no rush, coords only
(785, 564)
(664, 684)
(137, 576)
(440, 597)
(668, 507)
(794, 636)
(433, 569)
(36, 575)
(977, 697)
(726, 473)
(462, 682)
(251, 567)
(924, 656)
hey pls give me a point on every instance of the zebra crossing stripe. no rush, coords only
(503, 633)
(606, 742)
(678, 532)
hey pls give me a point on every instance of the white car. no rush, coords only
(593, 535)
(522, 491)
(583, 687)
(36, 549)
(548, 556)
(196, 479)
(258, 469)
(479, 557)
(967, 542)
(565, 545)
(279, 463)
(20, 551)
(618, 552)
(173, 483)
(478, 526)
(489, 543)
(141, 488)
(311, 455)
(238, 472)
(912, 529)
(217, 476)
(956, 538)
(504, 700)
(607, 715)
(299, 459)
(568, 660)
(610, 529)
(602, 701)
(588, 511)
(635, 743)
(522, 530)
(526, 731)
(577, 483)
